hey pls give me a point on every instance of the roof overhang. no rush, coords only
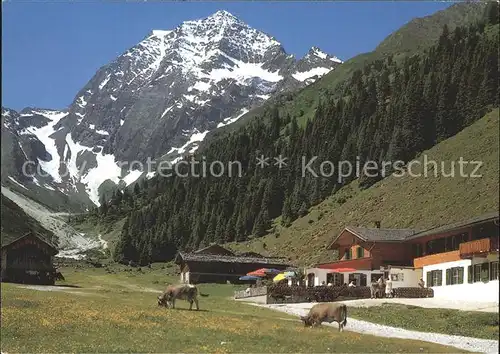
(51, 249)
(454, 227)
(345, 235)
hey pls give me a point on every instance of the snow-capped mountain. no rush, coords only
(159, 98)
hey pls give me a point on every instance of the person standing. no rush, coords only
(421, 283)
(388, 287)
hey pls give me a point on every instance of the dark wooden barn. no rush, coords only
(216, 264)
(28, 259)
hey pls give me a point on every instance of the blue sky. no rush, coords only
(51, 49)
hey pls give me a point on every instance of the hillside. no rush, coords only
(405, 202)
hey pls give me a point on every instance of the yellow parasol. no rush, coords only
(279, 277)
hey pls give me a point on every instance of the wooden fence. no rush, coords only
(250, 292)
(295, 294)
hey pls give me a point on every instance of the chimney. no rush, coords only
(377, 224)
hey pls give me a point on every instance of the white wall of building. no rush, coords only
(410, 276)
(479, 291)
(406, 277)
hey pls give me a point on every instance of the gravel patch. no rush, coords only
(464, 343)
(61, 289)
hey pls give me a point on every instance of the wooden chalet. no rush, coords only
(216, 264)
(464, 253)
(366, 249)
(28, 259)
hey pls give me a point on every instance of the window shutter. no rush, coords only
(440, 277)
(469, 275)
(448, 276)
(494, 271)
(460, 275)
(429, 279)
(341, 278)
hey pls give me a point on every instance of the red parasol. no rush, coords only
(262, 272)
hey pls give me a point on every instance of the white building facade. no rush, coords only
(400, 276)
(473, 279)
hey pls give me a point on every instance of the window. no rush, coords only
(494, 271)
(435, 278)
(453, 243)
(335, 278)
(348, 254)
(485, 272)
(429, 247)
(469, 275)
(363, 279)
(417, 249)
(455, 276)
(360, 252)
(477, 273)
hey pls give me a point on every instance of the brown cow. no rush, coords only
(326, 312)
(186, 292)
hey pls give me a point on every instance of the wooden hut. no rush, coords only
(216, 264)
(28, 259)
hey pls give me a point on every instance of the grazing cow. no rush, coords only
(377, 289)
(326, 312)
(186, 292)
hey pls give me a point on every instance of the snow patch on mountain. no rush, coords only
(230, 120)
(18, 183)
(44, 135)
(302, 76)
(105, 81)
(195, 137)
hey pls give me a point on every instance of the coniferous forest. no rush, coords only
(391, 110)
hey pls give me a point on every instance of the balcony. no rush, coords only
(436, 259)
(478, 247)
(357, 263)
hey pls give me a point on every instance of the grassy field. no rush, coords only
(461, 323)
(398, 202)
(101, 312)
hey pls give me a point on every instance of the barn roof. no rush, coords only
(215, 249)
(457, 225)
(52, 247)
(402, 235)
(376, 234)
(381, 235)
(195, 257)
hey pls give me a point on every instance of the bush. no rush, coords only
(413, 292)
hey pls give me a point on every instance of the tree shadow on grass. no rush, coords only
(185, 309)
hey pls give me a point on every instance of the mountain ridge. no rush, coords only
(160, 97)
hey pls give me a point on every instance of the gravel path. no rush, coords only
(464, 343)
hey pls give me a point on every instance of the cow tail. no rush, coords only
(344, 310)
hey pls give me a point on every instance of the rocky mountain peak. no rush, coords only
(161, 97)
